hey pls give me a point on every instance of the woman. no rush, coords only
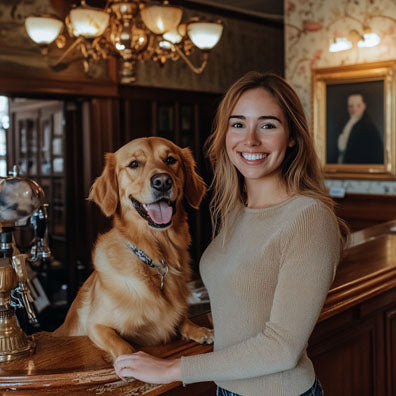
(271, 264)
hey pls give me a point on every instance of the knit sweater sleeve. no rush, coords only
(310, 253)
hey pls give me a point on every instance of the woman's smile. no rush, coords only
(254, 158)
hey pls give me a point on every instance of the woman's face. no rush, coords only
(257, 137)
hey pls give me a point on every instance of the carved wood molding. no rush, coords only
(12, 86)
(348, 295)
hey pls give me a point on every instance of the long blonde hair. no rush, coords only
(300, 169)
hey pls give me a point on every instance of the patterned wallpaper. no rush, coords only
(309, 27)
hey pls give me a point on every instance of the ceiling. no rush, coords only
(268, 9)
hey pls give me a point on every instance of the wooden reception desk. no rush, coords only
(74, 366)
(352, 346)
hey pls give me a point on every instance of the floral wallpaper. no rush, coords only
(310, 25)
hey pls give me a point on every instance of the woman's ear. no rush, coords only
(194, 186)
(291, 143)
(104, 191)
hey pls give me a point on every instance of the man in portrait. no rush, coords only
(359, 142)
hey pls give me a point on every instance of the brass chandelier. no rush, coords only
(133, 30)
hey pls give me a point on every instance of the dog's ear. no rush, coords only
(104, 191)
(194, 186)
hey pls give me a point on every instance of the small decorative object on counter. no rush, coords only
(19, 198)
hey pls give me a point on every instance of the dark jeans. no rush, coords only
(315, 390)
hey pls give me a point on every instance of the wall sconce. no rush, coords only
(355, 38)
(131, 30)
(339, 44)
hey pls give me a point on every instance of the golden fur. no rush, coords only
(122, 299)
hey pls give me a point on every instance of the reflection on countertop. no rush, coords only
(370, 233)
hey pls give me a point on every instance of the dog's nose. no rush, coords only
(161, 182)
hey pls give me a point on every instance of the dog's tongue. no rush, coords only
(160, 212)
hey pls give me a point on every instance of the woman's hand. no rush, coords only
(147, 368)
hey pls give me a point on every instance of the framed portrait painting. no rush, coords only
(354, 120)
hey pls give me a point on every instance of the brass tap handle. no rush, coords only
(19, 265)
(22, 291)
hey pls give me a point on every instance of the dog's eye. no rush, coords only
(170, 160)
(134, 164)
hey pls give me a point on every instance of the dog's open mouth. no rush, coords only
(158, 214)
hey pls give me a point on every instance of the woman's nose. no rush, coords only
(252, 138)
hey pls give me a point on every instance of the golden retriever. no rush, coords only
(142, 186)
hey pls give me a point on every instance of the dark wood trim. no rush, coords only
(37, 87)
(225, 12)
(211, 9)
(164, 94)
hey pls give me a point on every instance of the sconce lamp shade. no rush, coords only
(205, 35)
(340, 44)
(43, 30)
(88, 22)
(369, 40)
(161, 19)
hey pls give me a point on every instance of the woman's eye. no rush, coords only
(237, 125)
(134, 164)
(170, 160)
(268, 126)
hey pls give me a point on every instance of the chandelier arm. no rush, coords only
(195, 69)
(68, 51)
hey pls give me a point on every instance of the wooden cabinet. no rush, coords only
(348, 354)
(37, 146)
(390, 355)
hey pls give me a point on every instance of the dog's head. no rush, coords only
(148, 177)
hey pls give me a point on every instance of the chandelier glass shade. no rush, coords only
(87, 22)
(43, 30)
(204, 35)
(161, 19)
(131, 30)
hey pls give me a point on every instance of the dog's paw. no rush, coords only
(108, 358)
(202, 335)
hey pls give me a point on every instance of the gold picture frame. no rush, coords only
(367, 147)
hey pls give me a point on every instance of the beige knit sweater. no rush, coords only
(267, 285)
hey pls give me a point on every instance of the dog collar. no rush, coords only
(161, 268)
